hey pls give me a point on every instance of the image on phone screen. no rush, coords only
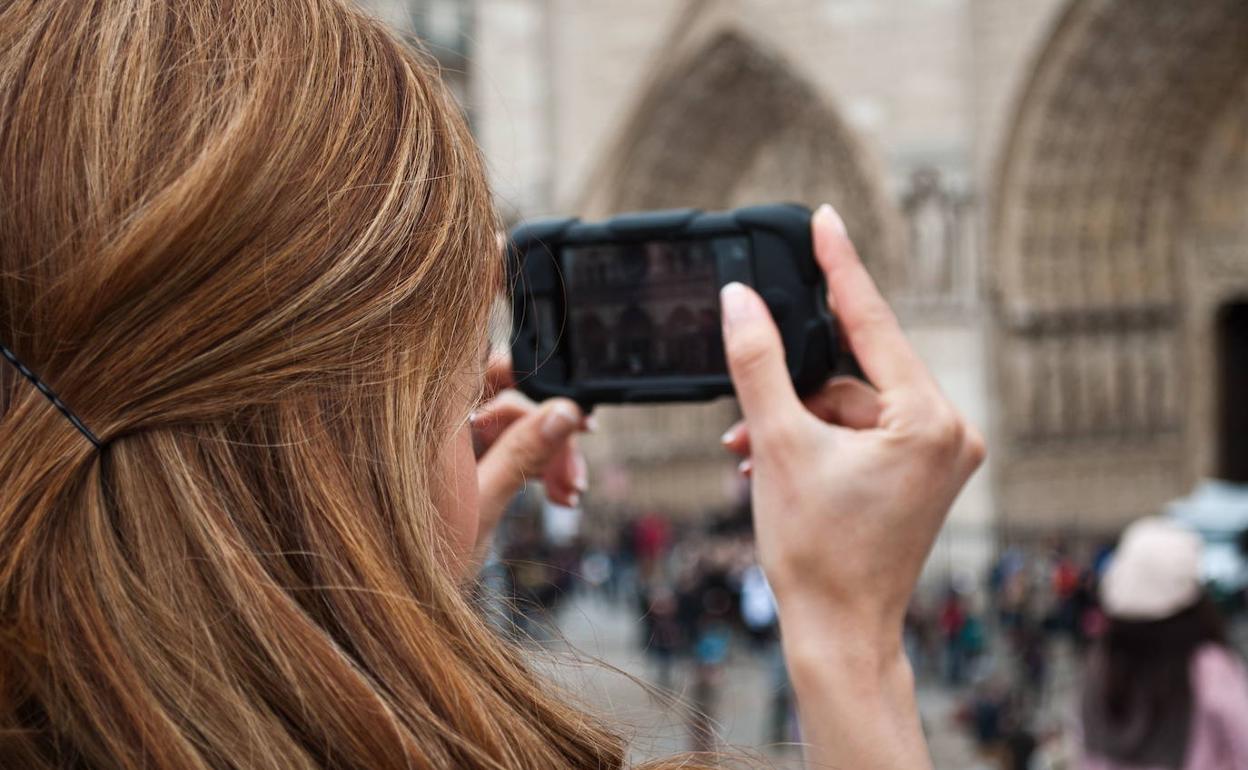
(643, 309)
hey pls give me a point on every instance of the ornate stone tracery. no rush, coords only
(1089, 258)
(939, 270)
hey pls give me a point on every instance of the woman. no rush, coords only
(250, 247)
(1164, 690)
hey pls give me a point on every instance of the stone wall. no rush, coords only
(1099, 238)
(1052, 192)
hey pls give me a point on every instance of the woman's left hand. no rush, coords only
(516, 439)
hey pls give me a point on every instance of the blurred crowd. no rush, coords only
(1007, 651)
(696, 590)
(1038, 608)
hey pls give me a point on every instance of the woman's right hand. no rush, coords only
(850, 486)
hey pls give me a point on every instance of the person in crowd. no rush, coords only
(1163, 689)
(1089, 618)
(1064, 586)
(623, 562)
(923, 638)
(952, 620)
(758, 615)
(532, 582)
(247, 258)
(1031, 648)
(664, 637)
(1020, 749)
(711, 643)
(972, 642)
(987, 714)
(1014, 604)
(651, 537)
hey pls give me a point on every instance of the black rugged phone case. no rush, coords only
(781, 268)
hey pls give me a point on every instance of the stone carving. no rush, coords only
(931, 236)
(1086, 247)
(940, 260)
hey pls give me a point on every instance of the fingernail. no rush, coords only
(580, 473)
(738, 305)
(560, 420)
(574, 500)
(729, 436)
(591, 424)
(826, 212)
(744, 467)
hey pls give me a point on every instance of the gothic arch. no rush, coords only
(723, 122)
(1089, 270)
(731, 123)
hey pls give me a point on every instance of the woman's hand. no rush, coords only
(852, 485)
(516, 440)
(850, 488)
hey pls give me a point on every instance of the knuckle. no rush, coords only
(775, 438)
(870, 316)
(943, 433)
(974, 446)
(523, 461)
(530, 453)
(750, 351)
(785, 449)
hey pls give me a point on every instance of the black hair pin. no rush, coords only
(50, 394)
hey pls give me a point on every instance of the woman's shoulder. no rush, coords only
(1217, 659)
(1220, 677)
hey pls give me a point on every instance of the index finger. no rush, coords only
(868, 322)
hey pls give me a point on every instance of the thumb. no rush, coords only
(756, 360)
(523, 451)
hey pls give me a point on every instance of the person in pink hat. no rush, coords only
(1163, 689)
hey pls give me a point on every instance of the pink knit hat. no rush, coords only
(1154, 573)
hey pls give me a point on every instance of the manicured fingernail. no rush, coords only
(744, 467)
(580, 473)
(591, 424)
(729, 436)
(738, 305)
(560, 420)
(826, 212)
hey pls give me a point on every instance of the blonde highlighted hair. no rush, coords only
(248, 242)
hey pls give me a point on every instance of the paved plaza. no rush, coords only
(603, 637)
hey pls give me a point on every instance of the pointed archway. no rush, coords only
(1091, 271)
(724, 124)
(732, 123)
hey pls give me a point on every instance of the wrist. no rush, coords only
(869, 669)
(861, 638)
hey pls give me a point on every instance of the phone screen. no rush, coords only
(645, 308)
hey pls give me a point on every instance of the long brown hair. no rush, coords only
(249, 242)
(1138, 702)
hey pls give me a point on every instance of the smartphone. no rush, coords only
(626, 310)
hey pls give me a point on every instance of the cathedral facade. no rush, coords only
(1053, 193)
